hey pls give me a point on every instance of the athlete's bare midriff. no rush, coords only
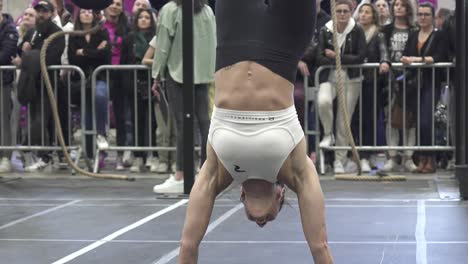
(249, 86)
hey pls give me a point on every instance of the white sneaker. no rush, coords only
(137, 165)
(36, 166)
(28, 159)
(101, 142)
(365, 165)
(77, 136)
(410, 166)
(5, 165)
(389, 165)
(74, 154)
(161, 167)
(119, 164)
(151, 162)
(149, 159)
(451, 164)
(338, 167)
(327, 141)
(170, 186)
(127, 159)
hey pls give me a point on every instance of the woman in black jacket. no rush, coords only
(89, 52)
(426, 45)
(134, 47)
(368, 19)
(352, 43)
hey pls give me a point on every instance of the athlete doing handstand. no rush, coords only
(255, 138)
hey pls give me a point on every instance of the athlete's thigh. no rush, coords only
(297, 13)
(296, 167)
(239, 20)
(213, 167)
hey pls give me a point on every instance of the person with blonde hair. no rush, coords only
(28, 21)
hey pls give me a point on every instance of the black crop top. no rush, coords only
(273, 33)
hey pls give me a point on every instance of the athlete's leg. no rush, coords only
(236, 20)
(299, 174)
(292, 18)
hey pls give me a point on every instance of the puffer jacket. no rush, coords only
(354, 51)
(8, 40)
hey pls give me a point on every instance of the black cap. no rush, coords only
(45, 4)
(92, 4)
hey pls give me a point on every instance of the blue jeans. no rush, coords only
(101, 101)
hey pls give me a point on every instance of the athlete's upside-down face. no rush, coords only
(262, 206)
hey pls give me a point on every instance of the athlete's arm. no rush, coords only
(210, 182)
(312, 208)
(303, 180)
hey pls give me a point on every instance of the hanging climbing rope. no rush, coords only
(342, 108)
(340, 89)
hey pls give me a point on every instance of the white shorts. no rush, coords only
(254, 145)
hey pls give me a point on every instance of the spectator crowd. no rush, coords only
(143, 114)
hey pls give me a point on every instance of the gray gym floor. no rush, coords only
(72, 219)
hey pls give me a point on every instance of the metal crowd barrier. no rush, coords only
(53, 146)
(312, 96)
(150, 107)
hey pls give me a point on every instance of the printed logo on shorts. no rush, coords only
(238, 169)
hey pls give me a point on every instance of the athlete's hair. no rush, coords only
(278, 184)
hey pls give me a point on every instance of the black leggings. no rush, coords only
(40, 114)
(176, 104)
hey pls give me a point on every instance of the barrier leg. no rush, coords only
(322, 162)
(96, 161)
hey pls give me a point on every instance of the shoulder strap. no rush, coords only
(429, 43)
